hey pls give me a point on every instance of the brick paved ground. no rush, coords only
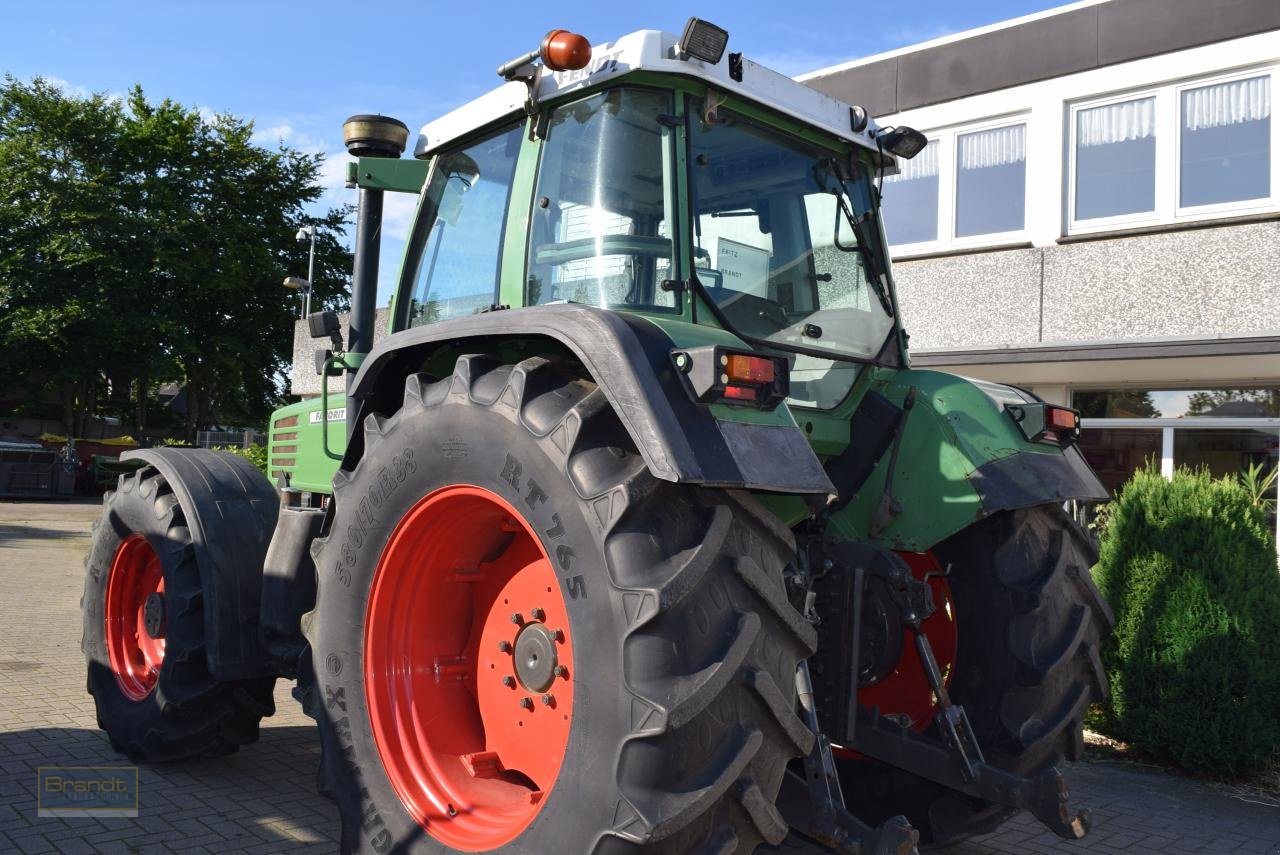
(263, 799)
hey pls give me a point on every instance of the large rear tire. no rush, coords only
(670, 729)
(155, 697)
(1029, 621)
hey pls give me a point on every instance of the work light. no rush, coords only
(703, 40)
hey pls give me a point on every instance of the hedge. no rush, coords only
(1189, 566)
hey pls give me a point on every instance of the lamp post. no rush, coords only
(303, 234)
(297, 283)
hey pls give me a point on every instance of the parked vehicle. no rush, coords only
(639, 532)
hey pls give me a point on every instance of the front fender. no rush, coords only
(231, 511)
(962, 458)
(630, 358)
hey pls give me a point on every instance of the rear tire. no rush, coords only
(1029, 620)
(683, 642)
(157, 702)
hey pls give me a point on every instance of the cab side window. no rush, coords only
(458, 254)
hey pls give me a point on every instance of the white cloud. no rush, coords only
(75, 90)
(289, 135)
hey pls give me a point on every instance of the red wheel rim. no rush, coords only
(905, 691)
(469, 734)
(134, 655)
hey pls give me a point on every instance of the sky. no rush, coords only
(298, 70)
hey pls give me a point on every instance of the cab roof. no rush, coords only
(651, 50)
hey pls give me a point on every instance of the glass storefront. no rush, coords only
(1226, 431)
(1117, 454)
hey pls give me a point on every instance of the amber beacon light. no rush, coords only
(562, 50)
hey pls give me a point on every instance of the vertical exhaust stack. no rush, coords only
(367, 135)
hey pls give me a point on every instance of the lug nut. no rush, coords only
(526, 703)
(562, 671)
(509, 681)
(504, 646)
(558, 635)
(539, 614)
(548, 700)
(517, 618)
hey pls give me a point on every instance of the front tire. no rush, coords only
(155, 696)
(678, 707)
(1029, 620)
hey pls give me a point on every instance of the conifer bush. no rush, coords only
(1189, 566)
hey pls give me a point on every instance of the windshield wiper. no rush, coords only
(870, 259)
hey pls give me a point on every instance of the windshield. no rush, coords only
(787, 245)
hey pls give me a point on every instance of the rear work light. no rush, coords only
(1049, 423)
(717, 375)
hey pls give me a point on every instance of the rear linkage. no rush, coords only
(957, 762)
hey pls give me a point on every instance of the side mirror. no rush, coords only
(326, 325)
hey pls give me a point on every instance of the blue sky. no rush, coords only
(299, 69)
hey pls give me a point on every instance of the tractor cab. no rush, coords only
(668, 179)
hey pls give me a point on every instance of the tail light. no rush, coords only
(1048, 423)
(717, 375)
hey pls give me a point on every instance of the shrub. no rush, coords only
(1189, 566)
(255, 454)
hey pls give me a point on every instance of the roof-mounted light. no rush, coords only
(902, 141)
(703, 40)
(560, 50)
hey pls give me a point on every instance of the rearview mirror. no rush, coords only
(324, 324)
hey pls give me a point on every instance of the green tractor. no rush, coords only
(638, 532)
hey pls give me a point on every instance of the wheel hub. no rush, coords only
(153, 615)
(882, 634)
(471, 736)
(535, 657)
(134, 615)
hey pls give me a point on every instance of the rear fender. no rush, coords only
(231, 511)
(962, 458)
(629, 357)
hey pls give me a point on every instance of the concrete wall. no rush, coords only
(1202, 283)
(304, 381)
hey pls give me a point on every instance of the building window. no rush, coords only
(1116, 159)
(1225, 143)
(910, 206)
(967, 189)
(1173, 153)
(991, 181)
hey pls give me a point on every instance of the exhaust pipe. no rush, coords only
(367, 135)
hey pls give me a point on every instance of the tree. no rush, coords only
(143, 242)
(1261, 402)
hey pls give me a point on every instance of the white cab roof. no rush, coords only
(650, 50)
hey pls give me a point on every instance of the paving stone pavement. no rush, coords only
(263, 798)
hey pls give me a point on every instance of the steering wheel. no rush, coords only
(576, 250)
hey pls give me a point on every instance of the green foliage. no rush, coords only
(1260, 480)
(173, 442)
(1189, 566)
(145, 242)
(255, 454)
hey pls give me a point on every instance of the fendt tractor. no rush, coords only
(638, 532)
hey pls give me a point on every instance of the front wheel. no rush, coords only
(523, 642)
(144, 634)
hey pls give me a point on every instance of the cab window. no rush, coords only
(600, 226)
(457, 253)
